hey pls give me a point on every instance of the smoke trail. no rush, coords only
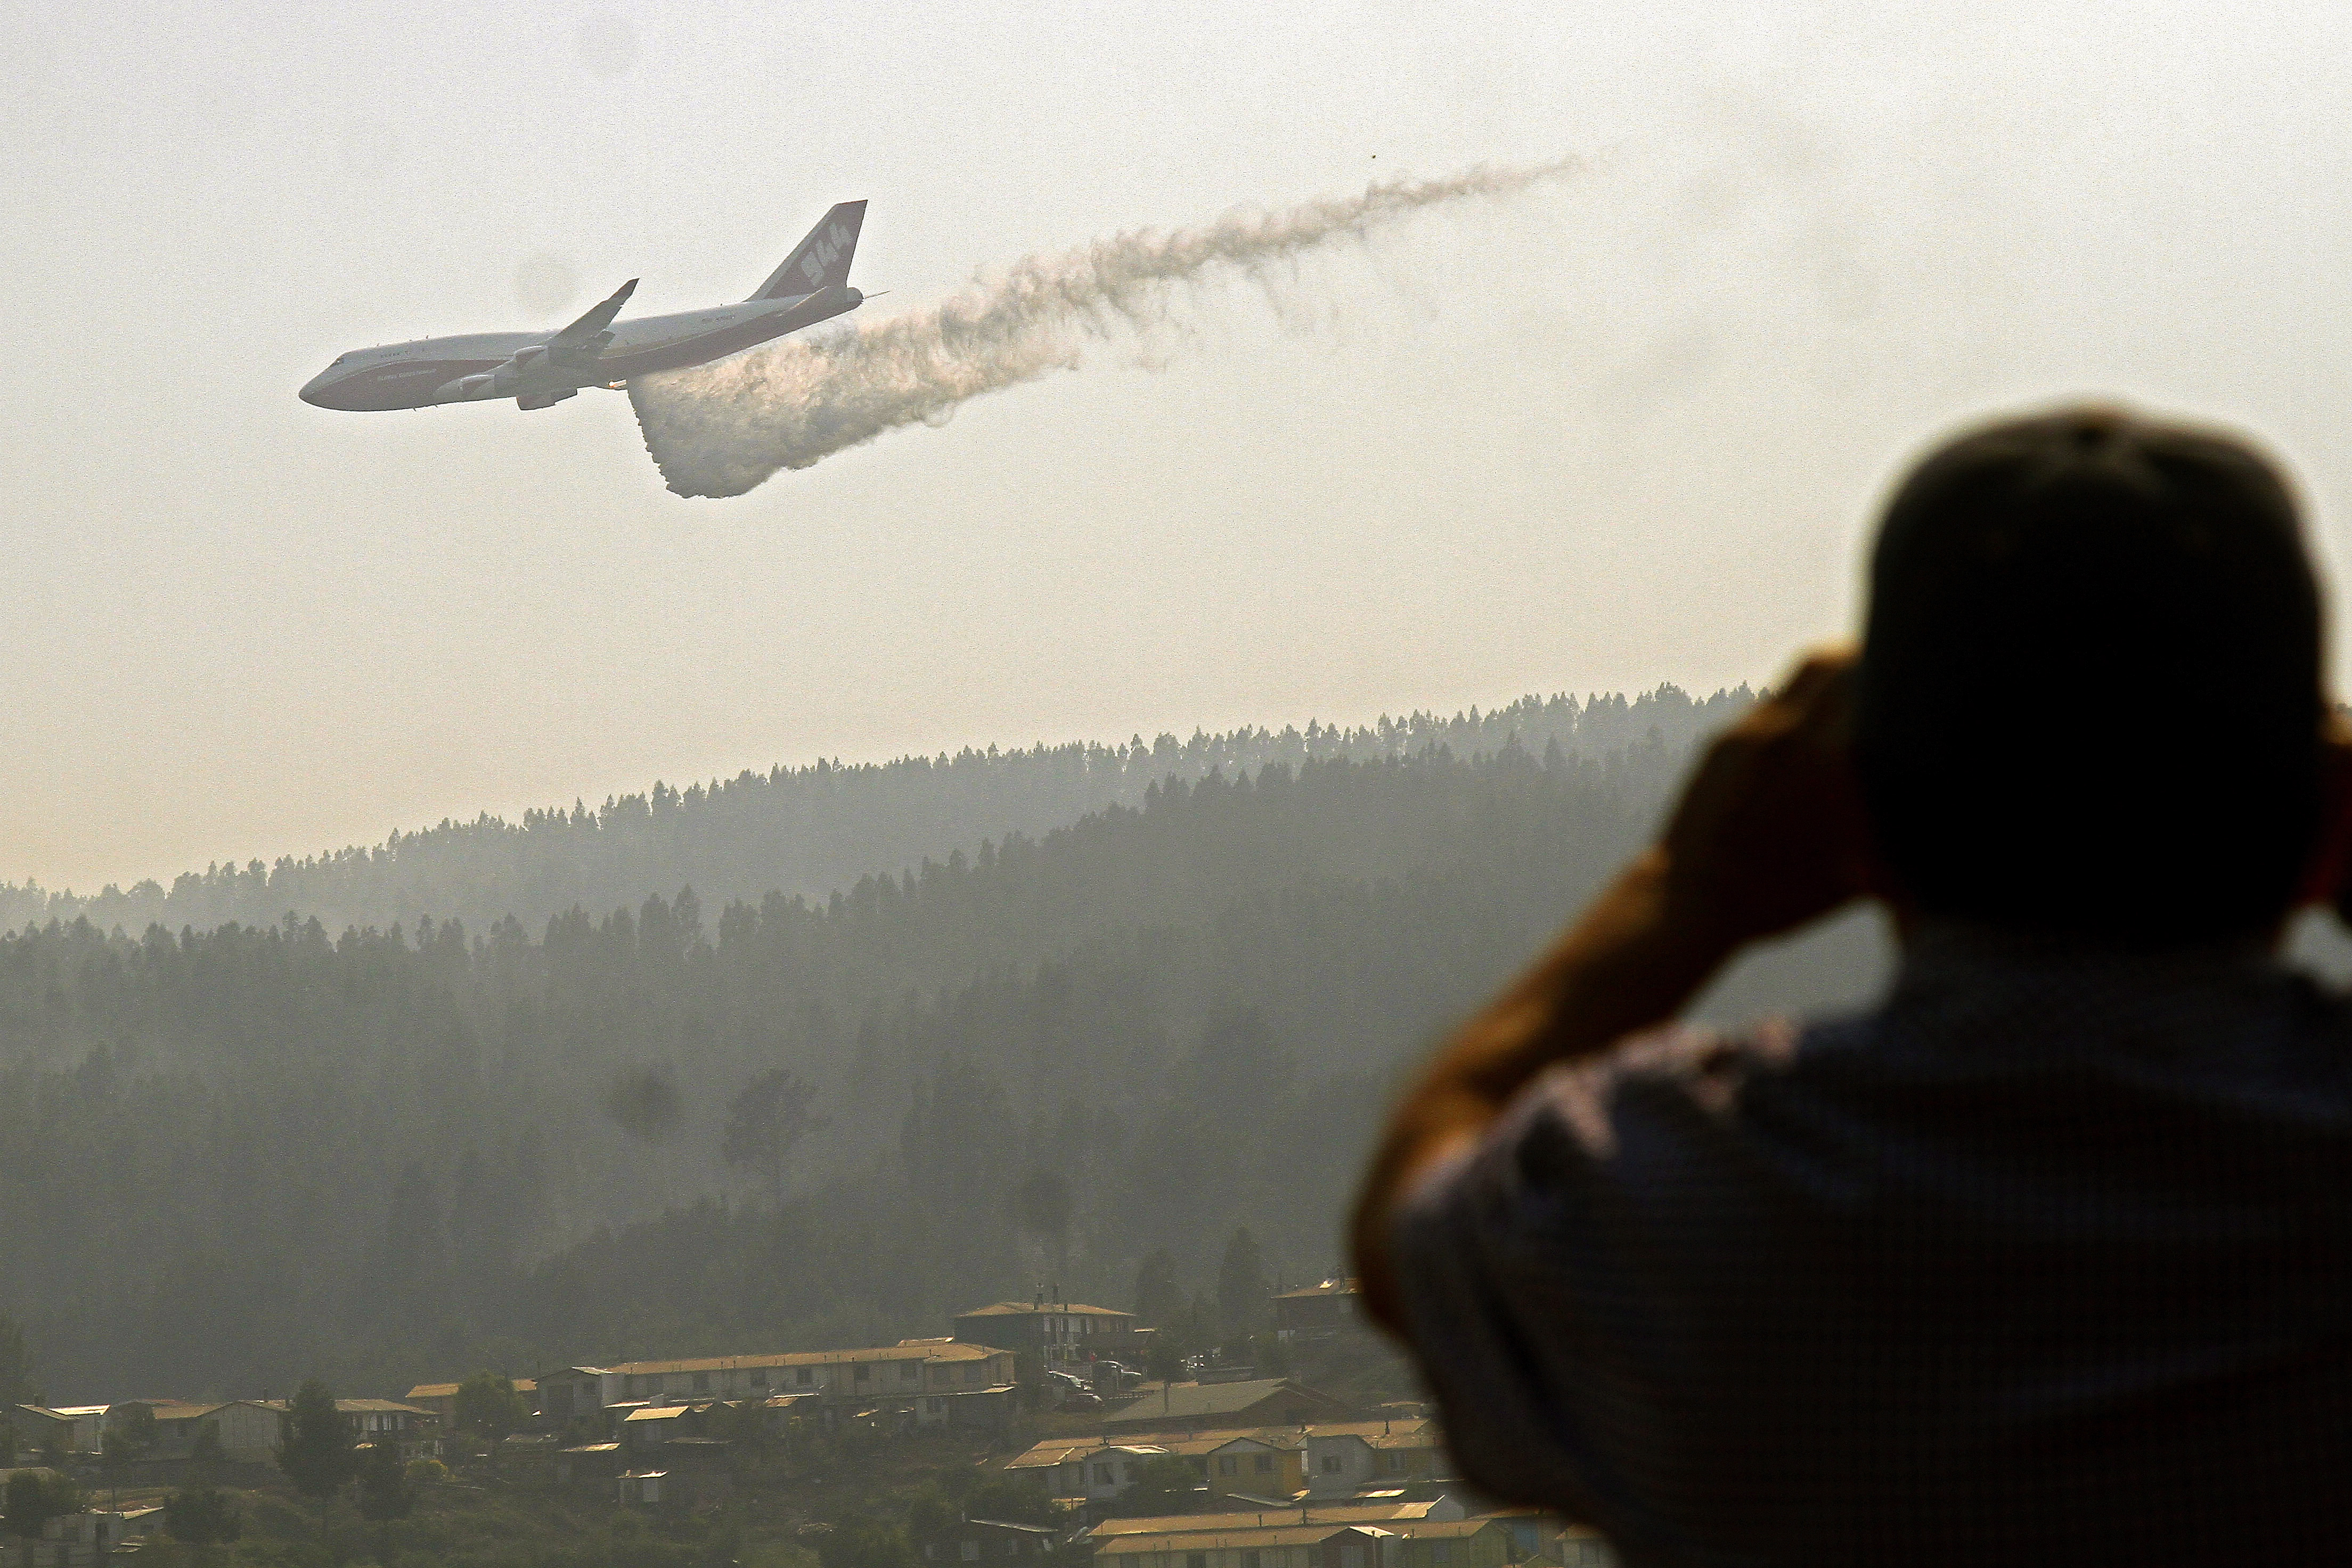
(720, 430)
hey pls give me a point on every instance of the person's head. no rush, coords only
(2089, 699)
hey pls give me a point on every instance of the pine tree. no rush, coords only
(1241, 1286)
(486, 1403)
(202, 1516)
(1158, 1300)
(317, 1455)
(767, 1121)
(35, 1497)
(386, 1493)
(17, 1385)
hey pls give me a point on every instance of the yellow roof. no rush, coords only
(1212, 1539)
(1418, 1434)
(450, 1390)
(952, 1349)
(177, 1411)
(1060, 1450)
(1332, 1513)
(1031, 1308)
(1439, 1528)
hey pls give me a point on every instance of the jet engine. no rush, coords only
(503, 382)
(545, 399)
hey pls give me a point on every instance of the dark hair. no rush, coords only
(2090, 693)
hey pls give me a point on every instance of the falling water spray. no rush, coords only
(721, 430)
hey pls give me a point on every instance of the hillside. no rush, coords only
(806, 830)
(240, 1156)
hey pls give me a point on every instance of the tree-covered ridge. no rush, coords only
(806, 830)
(232, 1157)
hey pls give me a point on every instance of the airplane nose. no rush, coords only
(319, 390)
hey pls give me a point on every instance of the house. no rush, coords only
(1579, 1546)
(651, 1426)
(145, 1524)
(1432, 1534)
(410, 1432)
(575, 1391)
(782, 1415)
(1270, 1465)
(1259, 1402)
(84, 1539)
(88, 1427)
(38, 1429)
(1535, 1535)
(1087, 1470)
(1058, 1465)
(990, 1541)
(174, 1431)
(1343, 1458)
(1394, 1515)
(595, 1464)
(1274, 1546)
(247, 1430)
(1317, 1311)
(1480, 1541)
(935, 1382)
(441, 1399)
(1058, 1336)
(1263, 1466)
(648, 1489)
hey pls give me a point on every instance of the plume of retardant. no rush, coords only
(722, 429)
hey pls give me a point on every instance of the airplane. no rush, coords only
(540, 369)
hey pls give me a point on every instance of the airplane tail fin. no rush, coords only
(820, 261)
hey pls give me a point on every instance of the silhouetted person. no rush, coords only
(2047, 1259)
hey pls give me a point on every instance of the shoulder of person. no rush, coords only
(1707, 1064)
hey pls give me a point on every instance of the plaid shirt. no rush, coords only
(2047, 1261)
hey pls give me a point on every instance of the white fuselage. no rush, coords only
(482, 365)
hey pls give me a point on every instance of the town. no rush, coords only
(1030, 1431)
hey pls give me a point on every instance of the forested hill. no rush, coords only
(807, 830)
(229, 1158)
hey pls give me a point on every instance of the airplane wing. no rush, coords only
(586, 338)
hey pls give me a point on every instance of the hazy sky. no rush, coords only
(1623, 432)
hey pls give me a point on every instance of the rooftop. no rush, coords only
(1421, 1433)
(1060, 1450)
(176, 1410)
(1443, 1528)
(1337, 1513)
(1178, 1402)
(1328, 1287)
(1251, 1540)
(450, 1390)
(922, 1350)
(1031, 1308)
